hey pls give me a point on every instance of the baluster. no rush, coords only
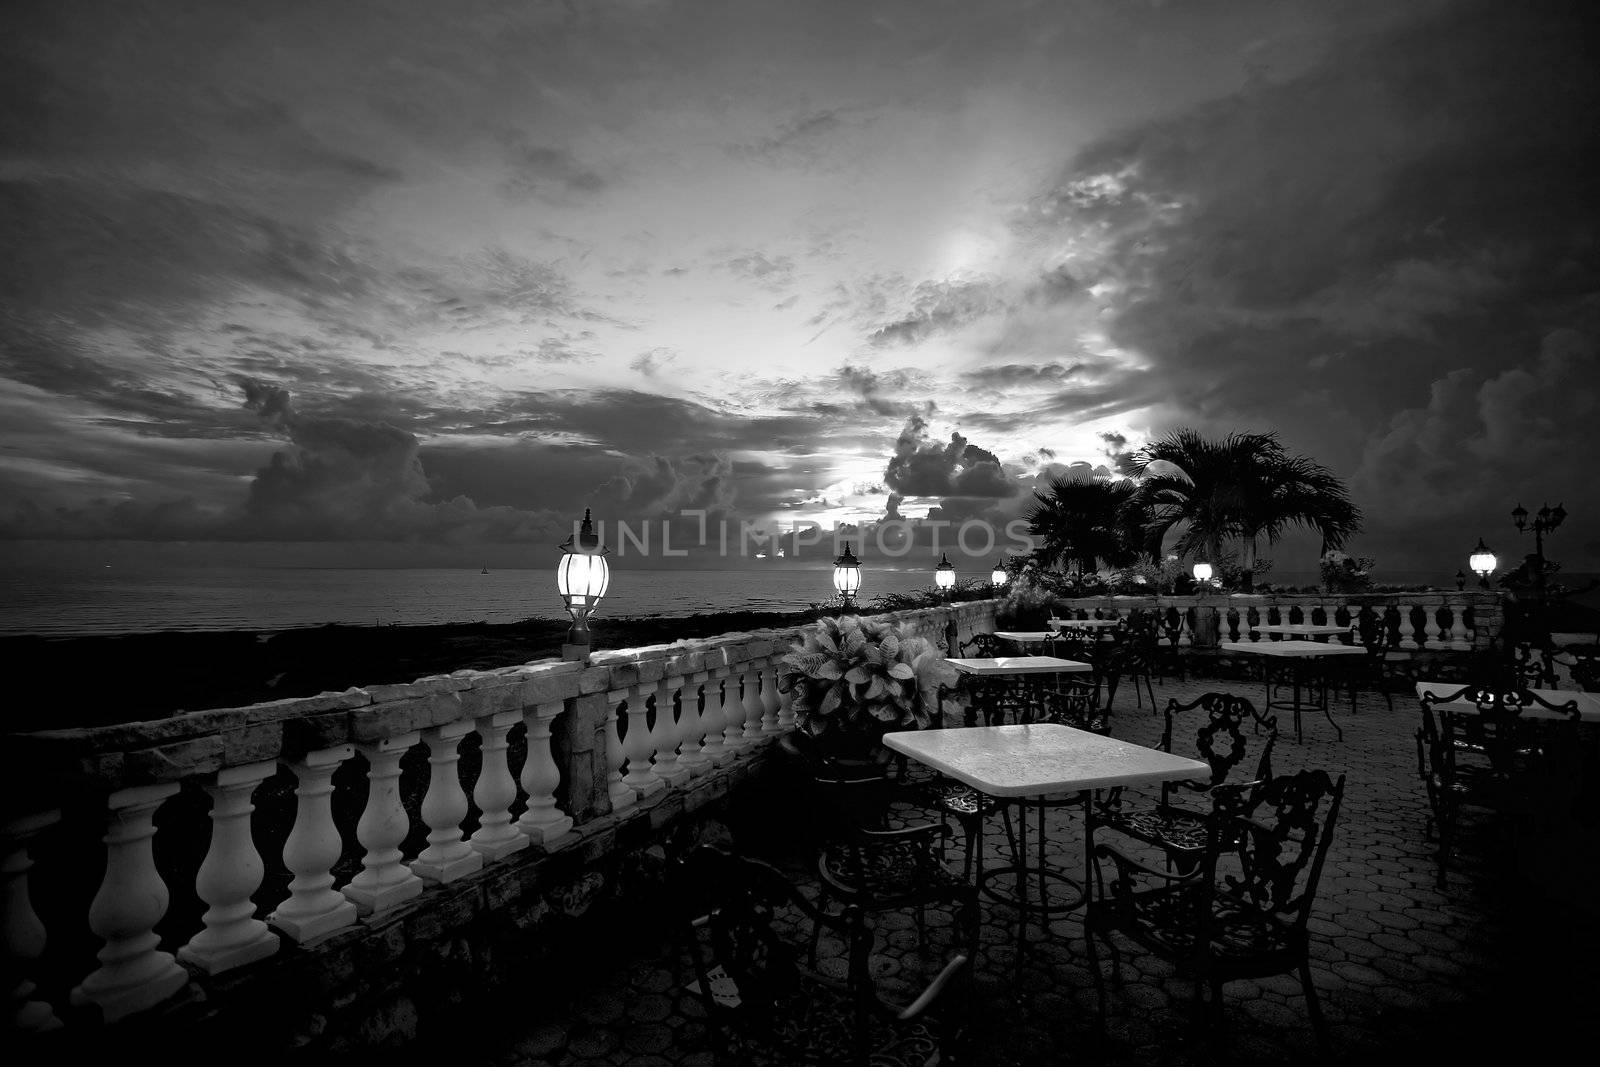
(786, 715)
(622, 794)
(715, 746)
(314, 907)
(543, 822)
(1460, 637)
(497, 836)
(230, 873)
(1408, 634)
(641, 777)
(1433, 633)
(133, 974)
(753, 733)
(691, 726)
(733, 712)
(448, 856)
(384, 880)
(24, 933)
(665, 735)
(769, 698)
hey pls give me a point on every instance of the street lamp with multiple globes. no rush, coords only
(1482, 562)
(1202, 574)
(847, 576)
(583, 576)
(1544, 521)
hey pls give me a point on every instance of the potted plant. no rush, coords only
(853, 679)
(1027, 604)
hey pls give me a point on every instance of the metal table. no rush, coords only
(1300, 653)
(1032, 762)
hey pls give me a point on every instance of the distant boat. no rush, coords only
(485, 569)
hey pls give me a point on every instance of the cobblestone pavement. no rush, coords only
(1403, 969)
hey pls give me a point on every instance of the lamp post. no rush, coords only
(847, 576)
(583, 577)
(1546, 520)
(998, 576)
(1205, 629)
(944, 576)
(1482, 562)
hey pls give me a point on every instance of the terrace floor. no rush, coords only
(1503, 960)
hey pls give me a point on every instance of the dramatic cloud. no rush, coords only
(781, 261)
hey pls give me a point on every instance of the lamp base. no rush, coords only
(572, 652)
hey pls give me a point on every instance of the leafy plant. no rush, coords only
(1345, 574)
(864, 676)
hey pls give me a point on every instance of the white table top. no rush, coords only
(1025, 635)
(1303, 629)
(1087, 624)
(1018, 665)
(1020, 761)
(1293, 648)
(1588, 703)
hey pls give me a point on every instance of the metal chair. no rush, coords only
(1179, 830)
(1134, 657)
(1243, 912)
(993, 697)
(763, 1006)
(864, 858)
(1486, 753)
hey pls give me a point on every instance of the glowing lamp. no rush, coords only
(582, 576)
(944, 575)
(1202, 573)
(1482, 562)
(998, 576)
(847, 575)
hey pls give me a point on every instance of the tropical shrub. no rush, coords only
(1345, 574)
(862, 676)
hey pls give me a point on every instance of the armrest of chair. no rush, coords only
(1127, 865)
(930, 830)
(935, 989)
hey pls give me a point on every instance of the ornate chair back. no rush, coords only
(748, 972)
(1220, 738)
(1267, 843)
(983, 646)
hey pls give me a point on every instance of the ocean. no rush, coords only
(111, 600)
(61, 600)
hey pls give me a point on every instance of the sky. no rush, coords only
(415, 282)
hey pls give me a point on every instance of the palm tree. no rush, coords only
(1245, 487)
(1086, 522)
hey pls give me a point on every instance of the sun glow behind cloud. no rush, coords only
(643, 255)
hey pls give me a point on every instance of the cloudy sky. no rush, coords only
(441, 275)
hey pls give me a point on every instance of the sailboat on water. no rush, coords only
(485, 569)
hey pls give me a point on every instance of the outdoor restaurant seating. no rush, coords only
(863, 857)
(994, 697)
(1371, 673)
(1243, 912)
(738, 917)
(1135, 659)
(1477, 745)
(1179, 830)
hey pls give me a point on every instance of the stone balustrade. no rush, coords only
(560, 755)
(1433, 621)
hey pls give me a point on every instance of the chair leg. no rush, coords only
(1313, 1006)
(816, 927)
(1099, 979)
